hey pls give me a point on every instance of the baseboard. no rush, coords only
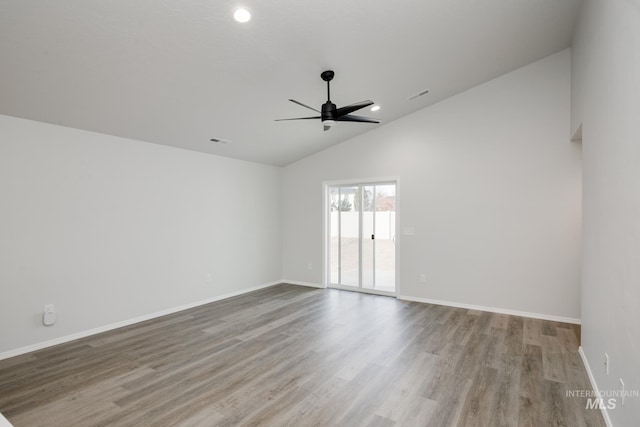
(308, 284)
(493, 309)
(594, 385)
(94, 331)
(461, 305)
(83, 334)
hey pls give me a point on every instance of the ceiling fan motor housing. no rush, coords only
(328, 110)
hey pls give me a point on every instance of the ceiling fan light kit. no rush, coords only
(326, 124)
(329, 113)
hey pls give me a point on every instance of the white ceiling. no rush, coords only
(178, 72)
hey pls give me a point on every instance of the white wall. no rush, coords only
(110, 229)
(606, 100)
(489, 180)
(4, 422)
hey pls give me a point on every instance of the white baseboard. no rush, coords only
(493, 309)
(83, 334)
(594, 385)
(308, 284)
(458, 305)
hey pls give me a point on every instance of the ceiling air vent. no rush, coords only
(220, 140)
(419, 94)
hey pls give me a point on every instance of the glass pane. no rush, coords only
(368, 244)
(385, 230)
(349, 230)
(334, 236)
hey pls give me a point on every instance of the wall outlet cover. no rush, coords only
(49, 318)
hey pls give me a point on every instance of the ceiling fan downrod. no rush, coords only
(327, 76)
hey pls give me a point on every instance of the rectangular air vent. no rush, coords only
(220, 140)
(419, 94)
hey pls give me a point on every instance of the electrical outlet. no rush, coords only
(422, 278)
(309, 266)
(606, 363)
(49, 315)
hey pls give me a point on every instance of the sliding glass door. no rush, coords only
(361, 236)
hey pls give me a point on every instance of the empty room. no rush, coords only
(286, 213)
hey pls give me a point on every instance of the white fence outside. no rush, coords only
(385, 224)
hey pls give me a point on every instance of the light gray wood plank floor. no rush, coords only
(296, 356)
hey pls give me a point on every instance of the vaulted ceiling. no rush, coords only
(179, 72)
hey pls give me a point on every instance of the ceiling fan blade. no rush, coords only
(352, 118)
(342, 111)
(303, 105)
(299, 118)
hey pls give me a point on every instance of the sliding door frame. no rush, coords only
(326, 195)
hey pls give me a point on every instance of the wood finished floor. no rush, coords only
(296, 356)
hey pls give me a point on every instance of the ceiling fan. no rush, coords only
(330, 114)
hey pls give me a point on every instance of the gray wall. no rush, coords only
(606, 101)
(488, 179)
(109, 229)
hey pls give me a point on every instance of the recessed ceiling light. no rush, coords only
(242, 15)
(375, 108)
